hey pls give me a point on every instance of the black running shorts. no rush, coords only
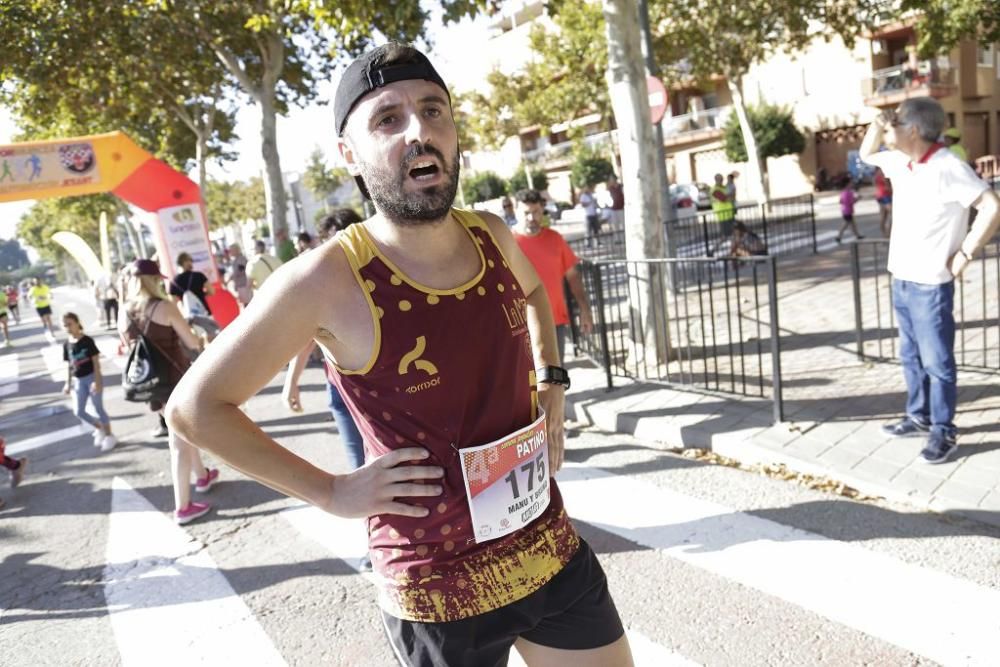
(573, 611)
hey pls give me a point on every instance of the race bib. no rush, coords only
(507, 481)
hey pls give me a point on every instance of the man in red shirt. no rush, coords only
(553, 260)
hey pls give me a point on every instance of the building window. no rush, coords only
(984, 55)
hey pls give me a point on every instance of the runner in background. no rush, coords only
(12, 303)
(3, 320)
(41, 298)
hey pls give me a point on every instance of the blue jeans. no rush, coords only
(345, 426)
(927, 352)
(82, 389)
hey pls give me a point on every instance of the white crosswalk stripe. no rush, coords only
(9, 374)
(871, 592)
(168, 602)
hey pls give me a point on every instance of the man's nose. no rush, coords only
(416, 129)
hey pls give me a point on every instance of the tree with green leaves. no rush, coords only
(170, 100)
(276, 50)
(942, 24)
(234, 202)
(519, 181)
(12, 255)
(703, 38)
(775, 132)
(483, 186)
(321, 179)
(589, 169)
(562, 82)
(80, 215)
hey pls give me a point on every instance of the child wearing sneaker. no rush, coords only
(83, 364)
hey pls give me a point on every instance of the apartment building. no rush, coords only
(833, 90)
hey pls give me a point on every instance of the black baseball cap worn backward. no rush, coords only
(370, 72)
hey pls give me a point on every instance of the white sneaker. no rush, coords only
(108, 443)
(98, 438)
(49, 336)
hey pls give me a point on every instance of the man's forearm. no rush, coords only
(576, 287)
(873, 138)
(985, 226)
(542, 328)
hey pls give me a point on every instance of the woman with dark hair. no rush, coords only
(84, 378)
(148, 311)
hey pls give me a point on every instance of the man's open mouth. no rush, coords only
(424, 170)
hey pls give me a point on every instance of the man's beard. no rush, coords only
(428, 204)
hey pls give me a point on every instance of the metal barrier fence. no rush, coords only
(721, 334)
(977, 306)
(785, 226)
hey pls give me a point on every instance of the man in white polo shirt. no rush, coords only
(931, 244)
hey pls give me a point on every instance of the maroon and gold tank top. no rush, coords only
(450, 369)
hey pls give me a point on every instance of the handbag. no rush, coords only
(145, 377)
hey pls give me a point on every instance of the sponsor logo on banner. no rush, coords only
(184, 230)
(27, 167)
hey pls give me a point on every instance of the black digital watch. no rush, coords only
(553, 375)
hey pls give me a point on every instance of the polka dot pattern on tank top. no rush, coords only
(433, 299)
(405, 305)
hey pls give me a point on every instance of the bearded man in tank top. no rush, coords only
(445, 350)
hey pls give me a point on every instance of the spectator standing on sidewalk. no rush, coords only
(85, 380)
(588, 202)
(553, 260)
(261, 266)
(722, 207)
(148, 310)
(930, 246)
(883, 195)
(283, 246)
(848, 197)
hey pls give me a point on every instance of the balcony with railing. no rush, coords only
(549, 153)
(892, 85)
(706, 124)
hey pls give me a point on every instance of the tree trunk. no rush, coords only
(758, 190)
(274, 187)
(626, 78)
(134, 231)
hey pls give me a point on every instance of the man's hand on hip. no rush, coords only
(374, 488)
(957, 263)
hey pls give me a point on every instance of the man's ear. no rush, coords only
(347, 155)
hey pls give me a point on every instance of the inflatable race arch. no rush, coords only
(116, 164)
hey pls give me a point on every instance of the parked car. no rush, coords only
(699, 193)
(683, 201)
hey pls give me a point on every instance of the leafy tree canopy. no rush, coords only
(774, 129)
(322, 180)
(589, 168)
(12, 255)
(518, 182)
(483, 186)
(72, 214)
(941, 24)
(236, 202)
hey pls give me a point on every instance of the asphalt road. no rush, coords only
(708, 565)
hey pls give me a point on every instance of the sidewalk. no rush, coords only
(834, 403)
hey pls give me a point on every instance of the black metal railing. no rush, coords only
(721, 334)
(784, 226)
(977, 306)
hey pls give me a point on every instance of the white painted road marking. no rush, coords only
(346, 539)
(168, 602)
(946, 619)
(45, 439)
(10, 368)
